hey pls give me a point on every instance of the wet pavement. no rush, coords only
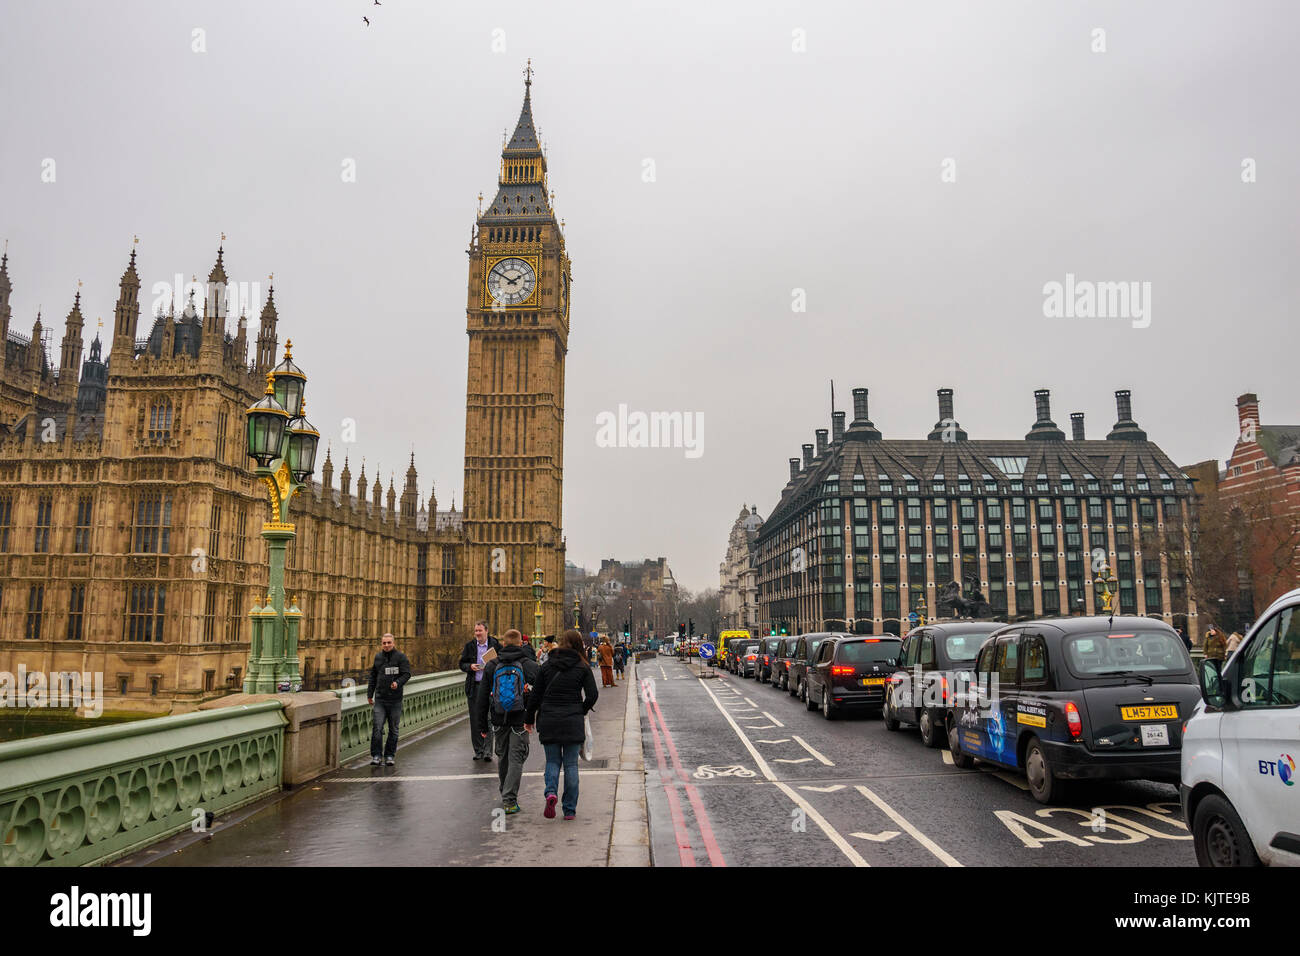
(742, 774)
(439, 807)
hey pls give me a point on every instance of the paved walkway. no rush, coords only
(435, 808)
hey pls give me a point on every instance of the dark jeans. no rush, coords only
(482, 745)
(566, 755)
(390, 710)
(512, 751)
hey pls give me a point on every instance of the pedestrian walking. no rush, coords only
(471, 662)
(606, 655)
(388, 675)
(1187, 641)
(620, 655)
(1234, 641)
(1216, 645)
(548, 644)
(502, 696)
(558, 707)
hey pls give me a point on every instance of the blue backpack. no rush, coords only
(507, 689)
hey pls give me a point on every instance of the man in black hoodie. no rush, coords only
(388, 675)
(502, 698)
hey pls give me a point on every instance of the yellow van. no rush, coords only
(724, 638)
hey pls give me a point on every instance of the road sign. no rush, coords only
(707, 650)
(913, 617)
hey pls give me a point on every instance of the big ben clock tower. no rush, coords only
(518, 323)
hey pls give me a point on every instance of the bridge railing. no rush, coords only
(426, 700)
(90, 796)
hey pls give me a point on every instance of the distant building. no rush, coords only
(648, 586)
(868, 530)
(1258, 490)
(738, 575)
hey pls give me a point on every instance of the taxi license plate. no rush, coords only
(873, 681)
(1155, 735)
(1150, 712)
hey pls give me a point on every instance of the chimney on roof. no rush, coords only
(1076, 425)
(1125, 428)
(946, 428)
(794, 468)
(837, 426)
(822, 436)
(807, 455)
(861, 427)
(1247, 417)
(1044, 428)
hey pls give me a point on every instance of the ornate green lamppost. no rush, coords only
(539, 589)
(283, 443)
(577, 615)
(1103, 583)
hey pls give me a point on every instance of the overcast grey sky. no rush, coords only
(775, 170)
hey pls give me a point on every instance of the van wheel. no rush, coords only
(959, 759)
(891, 721)
(828, 709)
(1220, 837)
(929, 733)
(1044, 785)
(809, 702)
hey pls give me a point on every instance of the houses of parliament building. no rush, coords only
(130, 516)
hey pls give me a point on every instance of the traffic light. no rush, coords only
(691, 621)
(772, 631)
(681, 630)
(627, 629)
(784, 631)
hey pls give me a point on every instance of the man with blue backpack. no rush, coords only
(502, 696)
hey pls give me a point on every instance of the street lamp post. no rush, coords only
(577, 615)
(283, 443)
(539, 589)
(1103, 583)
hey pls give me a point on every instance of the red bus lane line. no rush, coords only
(701, 815)
(684, 850)
(831, 833)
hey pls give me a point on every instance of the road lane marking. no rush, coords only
(684, 851)
(809, 810)
(792, 760)
(831, 789)
(880, 837)
(946, 858)
(761, 726)
(749, 702)
(804, 744)
(1003, 775)
(947, 757)
(773, 719)
(697, 805)
(783, 740)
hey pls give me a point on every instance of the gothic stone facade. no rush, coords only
(738, 575)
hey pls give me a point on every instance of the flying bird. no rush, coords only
(367, 19)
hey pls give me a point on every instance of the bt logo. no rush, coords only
(1284, 768)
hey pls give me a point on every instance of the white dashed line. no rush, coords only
(792, 760)
(773, 719)
(804, 744)
(809, 810)
(944, 857)
(783, 740)
(831, 789)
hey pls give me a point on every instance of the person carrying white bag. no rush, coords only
(558, 706)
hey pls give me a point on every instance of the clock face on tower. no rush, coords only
(511, 281)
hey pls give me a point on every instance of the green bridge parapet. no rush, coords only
(90, 796)
(427, 700)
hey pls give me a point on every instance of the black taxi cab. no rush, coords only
(1074, 698)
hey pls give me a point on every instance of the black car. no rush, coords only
(737, 651)
(850, 671)
(805, 649)
(781, 662)
(1081, 697)
(766, 655)
(934, 659)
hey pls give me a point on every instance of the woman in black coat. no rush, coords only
(565, 691)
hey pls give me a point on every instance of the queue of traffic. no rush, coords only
(1080, 698)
